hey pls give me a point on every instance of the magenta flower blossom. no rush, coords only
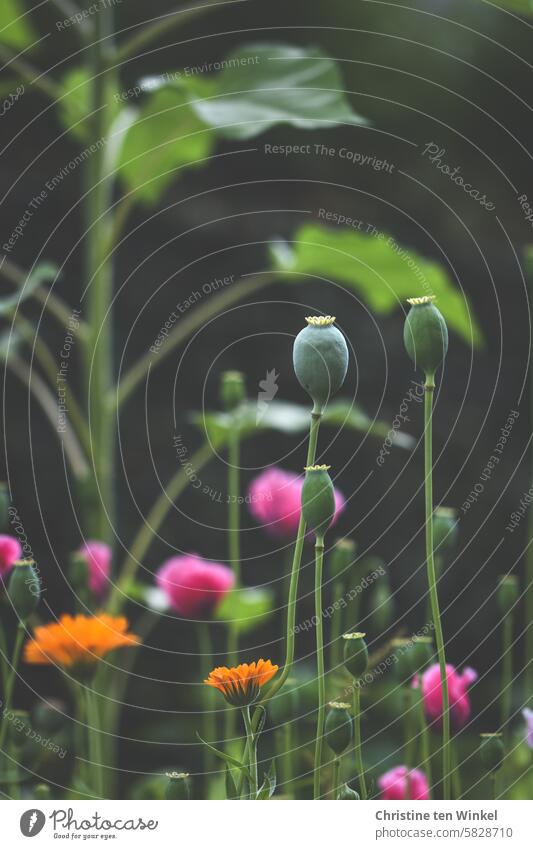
(194, 586)
(98, 557)
(10, 551)
(458, 684)
(275, 501)
(528, 716)
(400, 783)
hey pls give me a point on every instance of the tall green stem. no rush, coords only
(336, 777)
(319, 561)
(339, 588)
(357, 739)
(99, 353)
(234, 554)
(433, 595)
(251, 746)
(10, 683)
(506, 699)
(94, 740)
(209, 731)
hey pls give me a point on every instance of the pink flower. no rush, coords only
(528, 716)
(400, 783)
(10, 551)
(460, 708)
(98, 556)
(275, 501)
(194, 586)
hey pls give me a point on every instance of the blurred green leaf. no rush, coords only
(262, 85)
(268, 787)
(289, 418)
(228, 759)
(166, 136)
(9, 342)
(41, 274)
(525, 7)
(15, 29)
(231, 789)
(75, 105)
(246, 608)
(376, 268)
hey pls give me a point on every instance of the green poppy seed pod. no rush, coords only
(425, 334)
(4, 506)
(339, 727)
(342, 557)
(382, 602)
(179, 786)
(232, 390)
(346, 792)
(445, 529)
(320, 357)
(318, 499)
(411, 655)
(24, 588)
(508, 592)
(491, 752)
(355, 654)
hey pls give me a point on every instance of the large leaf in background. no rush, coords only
(289, 418)
(380, 271)
(166, 136)
(15, 29)
(267, 84)
(525, 7)
(42, 273)
(246, 608)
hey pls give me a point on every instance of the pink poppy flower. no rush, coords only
(10, 551)
(194, 586)
(458, 684)
(98, 557)
(275, 501)
(400, 783)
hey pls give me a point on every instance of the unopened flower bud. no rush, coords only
(232, 390)
(318, 499)
(346, 792)
(42, 791)
(425, 334)
(508, 592)
(411, 655)
(445, 529)
(24, 589)
(320, 357)
(342, 557)
(179, 786)
(491, 752)
(339, 727)
(78, 572)
(355, 654)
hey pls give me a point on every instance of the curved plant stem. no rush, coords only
(424, 737)
(151, 525)
(209, 731)
(321, 718)
(357, 739)
(506, 698)
(339, 589)
(433, 595)
(251, 746)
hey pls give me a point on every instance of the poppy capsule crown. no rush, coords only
(425, 334)
(355, 654)
(320, 357)
(318, 499)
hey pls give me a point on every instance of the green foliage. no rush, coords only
(246, 608)
(268, 787)
(524, 7)
(166, 136)
(15, 29)
(377, 269)
(263, 85)
(285, 417)
(42, 273)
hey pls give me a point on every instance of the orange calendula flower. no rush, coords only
(78, 642)
(241, 684)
